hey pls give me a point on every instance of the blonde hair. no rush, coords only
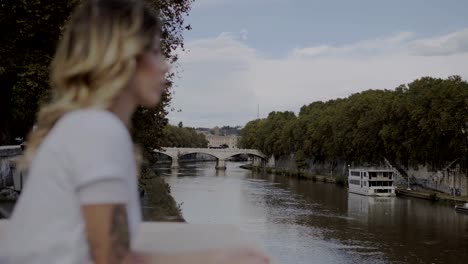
(95, 59)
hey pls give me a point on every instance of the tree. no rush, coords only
(34, 27)
(185, 137)
(25, 53)
(249, 135)
(424, 122)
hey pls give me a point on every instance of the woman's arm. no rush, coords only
(107, 232)
(109, 242)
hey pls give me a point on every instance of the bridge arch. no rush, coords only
(221, 155)
(198, 152)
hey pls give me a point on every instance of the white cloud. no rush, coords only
(223, 79)
(362, 48)
(445, 45)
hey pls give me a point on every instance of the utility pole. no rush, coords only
(258, 111)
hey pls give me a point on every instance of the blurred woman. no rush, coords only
(81, 203)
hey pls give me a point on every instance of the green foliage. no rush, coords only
(34, 27)
(158, 198)
(341, 181)
(182, 137)
(249, 135)
(424, 122)
(31, 31)
(301, 163)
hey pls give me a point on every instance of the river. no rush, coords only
(300, 221)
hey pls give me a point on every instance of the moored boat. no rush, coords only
(462, 208)
(371, 181)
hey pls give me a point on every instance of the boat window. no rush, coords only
(382, 190)
(354, 182)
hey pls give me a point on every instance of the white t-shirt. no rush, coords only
(87, 158)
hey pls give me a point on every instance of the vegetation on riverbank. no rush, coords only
(183, 137)
(424, 122)
(157, 201)
(28, 46)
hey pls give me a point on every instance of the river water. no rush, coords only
(300, 221)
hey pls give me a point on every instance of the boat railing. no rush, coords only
(386, 168)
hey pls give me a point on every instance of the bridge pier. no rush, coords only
(220, 172)
(175, 163)
(258, 162)
(271, 162)
(221, 164)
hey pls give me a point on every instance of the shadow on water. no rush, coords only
(300, 221)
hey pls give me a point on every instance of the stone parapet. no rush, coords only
(10, 151)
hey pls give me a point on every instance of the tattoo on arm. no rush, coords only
(119, 234)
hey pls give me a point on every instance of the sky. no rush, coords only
(246, 58)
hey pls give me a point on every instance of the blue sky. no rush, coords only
(281, 54)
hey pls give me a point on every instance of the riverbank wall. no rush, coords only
(451, 179)
(157, 202)
(415, 192)
(8, 157)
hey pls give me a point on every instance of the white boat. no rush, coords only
(371, 181)
(462, 208)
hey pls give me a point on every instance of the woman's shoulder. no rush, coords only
(91, 124)
(93, 119)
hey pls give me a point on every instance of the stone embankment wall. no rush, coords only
(7, 170)
(452, 180)
(325, 168)
(7, 167)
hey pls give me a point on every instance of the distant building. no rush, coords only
(220, 141)
(203, 132)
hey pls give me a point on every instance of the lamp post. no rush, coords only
(409, 188)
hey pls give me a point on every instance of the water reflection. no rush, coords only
(307, 222)
(220, 172)
(368, 209)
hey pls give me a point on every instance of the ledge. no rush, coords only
(10, 151)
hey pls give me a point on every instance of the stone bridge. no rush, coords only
(259, 159)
